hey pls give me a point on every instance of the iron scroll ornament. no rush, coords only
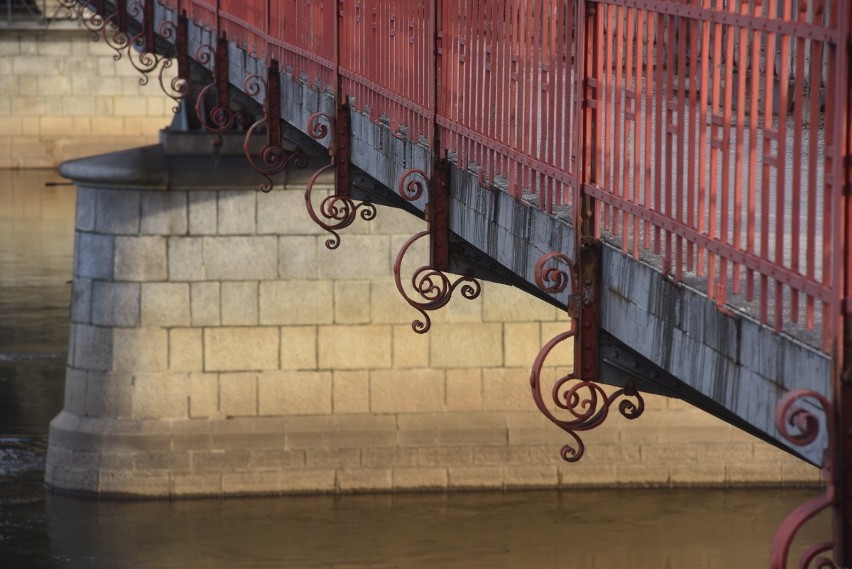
(790, 413)
(336, 212)
(274, 158)
(431, 284)
(584, 403)
(178, 87)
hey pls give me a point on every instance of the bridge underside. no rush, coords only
(663, 336)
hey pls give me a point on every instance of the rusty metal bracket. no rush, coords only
(337, 211)
(221, 118)
(431, 282)
(146, 59)
(274, 158)
(115, 30)
(791, 413)
(583, 402)
(179, 87)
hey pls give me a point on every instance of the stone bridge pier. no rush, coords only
(218, 348)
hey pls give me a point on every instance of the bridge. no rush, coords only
(672, 174)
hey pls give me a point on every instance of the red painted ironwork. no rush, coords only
(221, 118)
(274, 158)
(337, 211)
(430, 282)
(141, 49)
(583, 402)
(798, 424)
(179, 86)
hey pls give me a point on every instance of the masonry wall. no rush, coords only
(218, 348)
(64, 96)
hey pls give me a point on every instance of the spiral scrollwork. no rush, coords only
(114, 37)
(94, 23)
(204, 54)
(412, 184)
(435, 287)
(254, 85)
(797, 423)
(220, 118)
(177, 88)
(144, 61)
(273, 157)
(319, 125)
(585, 403)
(339, 211)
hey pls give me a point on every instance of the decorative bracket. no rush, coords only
(143, 43)
(791, 413)
(178, 88)
(431, 282)
(273, 157)
(221, 118)
(584, 401)
(338, 211)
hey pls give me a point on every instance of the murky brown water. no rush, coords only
(636, 529)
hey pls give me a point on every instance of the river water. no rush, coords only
(601, 529)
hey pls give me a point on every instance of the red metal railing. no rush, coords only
(712, 134)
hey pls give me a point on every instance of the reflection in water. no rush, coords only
(636, 529)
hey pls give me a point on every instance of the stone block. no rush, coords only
(282, 212)
(334, 458)
(364, 431)
(140, 349)
(297, 257)
(140, 259)
(354, 347)
(299, 347)
(81, 301)
(503, 454)
(207, 484)
(186, 351)
(109, 395)
(296, 302)
(75, 391)
(238, 349)
(186, 255)
(164, 213)
(85, 212)
(309, 481)
(411, 391)
(161, 461)
(93, 347)
(351, 302)
(753, 473)
(698, 474)
(237, 212)
(578, 475)
(294, 393)
(94, 256)
(507, 389)
(238, 394)
(418, 430)
(115, 304)
(466, 345)
(651, 475)
(464, 389)
(522, 343)
(241, 258)
(203, 395)
(417, 479)
(530, 477)
(165, 304)
(475, 477)
(204, 304)
(251, 482)
(471, 429)
(239, 303)
(410, 350)
(358, 257)
(389, 457)
(387, 306)
(133, 483)
(351, 391)
(277, 458)
(117, 212)
(160, 395)
(219, 460)
(392, 221)
(444, 456)
(202, 213)
(365, 479)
